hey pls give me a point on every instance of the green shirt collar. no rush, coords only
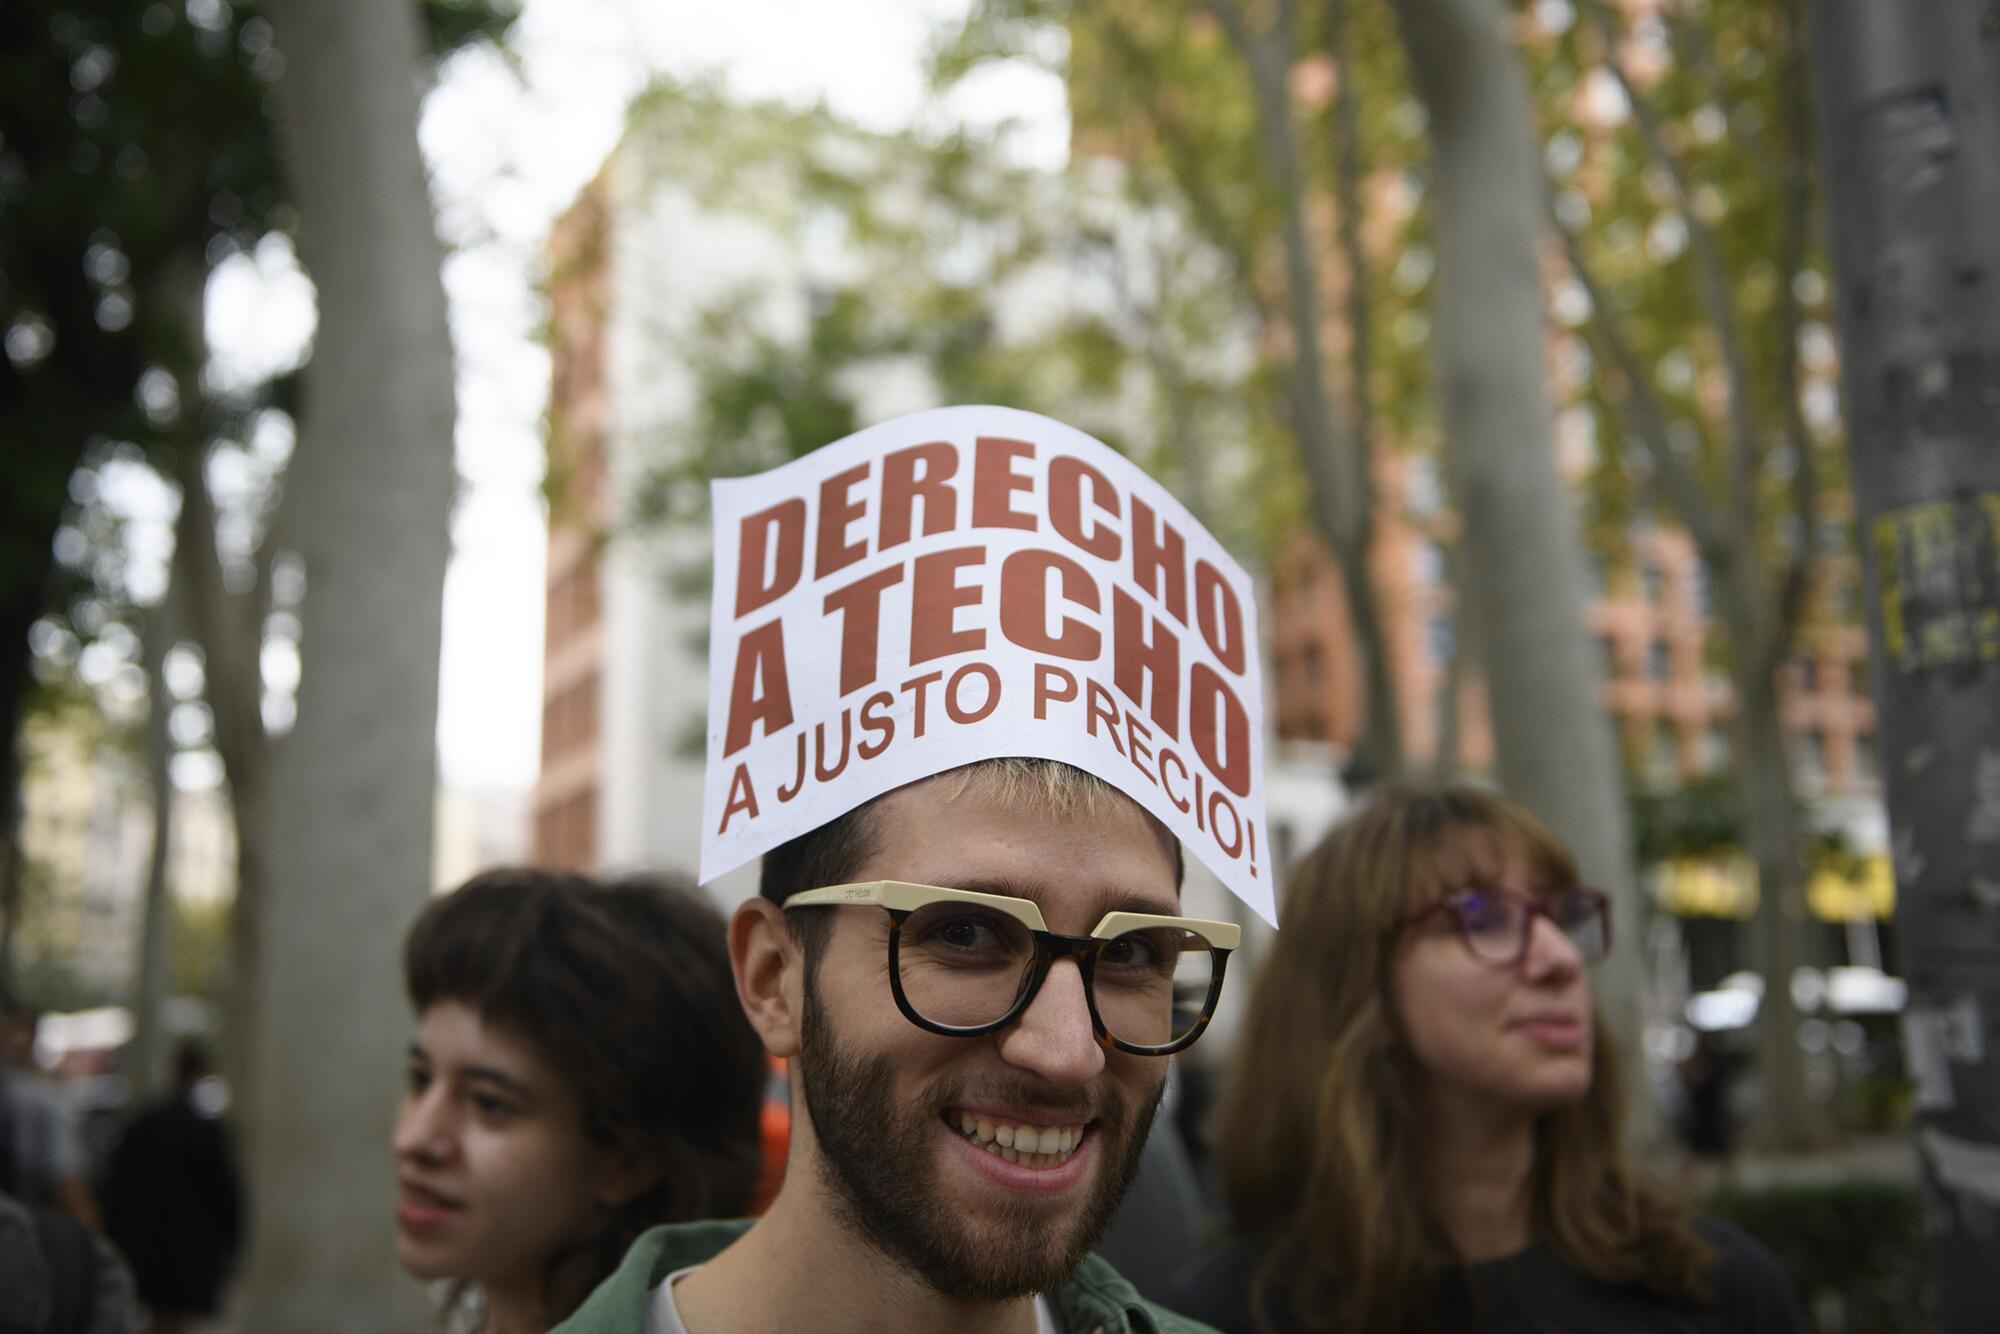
(1095, 1300)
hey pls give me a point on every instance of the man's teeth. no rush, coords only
(1030, 1146)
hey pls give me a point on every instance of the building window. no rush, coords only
(1593, 577)
(1424, 490)
(1865, 768)
(1652, 581)
(1704, 596)
(1426, 564)
(1440, 639)
(1812, 756)
(1663, 756)
(1660, 660)
(1714, 756)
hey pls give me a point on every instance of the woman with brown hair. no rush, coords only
(1423, 1128)
(581, 1071)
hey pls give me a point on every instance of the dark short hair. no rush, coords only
(625, 989)
(832, 853)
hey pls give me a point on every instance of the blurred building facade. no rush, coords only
(1656, 638)
(635, 262)
(566, 789)
(86, 845)
(1671, 703)
(87, 841)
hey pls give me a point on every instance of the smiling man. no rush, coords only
(1000, 964)
(976, 966)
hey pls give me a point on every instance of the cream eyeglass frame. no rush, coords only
(900, 898)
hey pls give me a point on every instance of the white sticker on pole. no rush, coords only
(968, 583)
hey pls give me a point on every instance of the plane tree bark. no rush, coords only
(369, 493)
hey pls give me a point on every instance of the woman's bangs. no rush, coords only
(1466, 855)
(1472, 843)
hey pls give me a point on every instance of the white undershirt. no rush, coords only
(663, 1317)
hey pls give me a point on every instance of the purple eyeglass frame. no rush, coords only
(1537, 906)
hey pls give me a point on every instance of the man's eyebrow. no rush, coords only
(1108, 901)
(1140, 903)
(1006, 889)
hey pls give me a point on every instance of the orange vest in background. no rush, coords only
(774, 1125)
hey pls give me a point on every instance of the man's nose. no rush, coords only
(1053, 1037)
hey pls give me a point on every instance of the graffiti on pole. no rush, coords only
(1938, 567)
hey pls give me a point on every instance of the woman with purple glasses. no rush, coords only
(1423, 1128)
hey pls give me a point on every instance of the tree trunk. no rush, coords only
(23, 603)
(146, 1056)
(228, 626)
(352, 787)
(10, 857)
(1772, 837)
(1450, 711)
(1523, 559)
(179, 289)
(1383, 742)
(1336, 462)
(249, 803)
(1910, 123)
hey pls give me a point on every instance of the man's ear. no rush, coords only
(770, 974)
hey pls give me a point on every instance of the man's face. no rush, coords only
(890, 1103)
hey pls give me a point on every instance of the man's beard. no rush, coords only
(877, 1160)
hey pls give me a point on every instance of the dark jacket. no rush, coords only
(173, 1204)
(56, 1277)
(1535, 1292)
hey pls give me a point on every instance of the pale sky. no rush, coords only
(509, 149)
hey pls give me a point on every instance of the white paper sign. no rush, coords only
(968, 583)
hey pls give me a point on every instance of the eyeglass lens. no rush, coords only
(964, 966)
(1496, 925)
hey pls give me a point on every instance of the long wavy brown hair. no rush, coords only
(1319, 1144)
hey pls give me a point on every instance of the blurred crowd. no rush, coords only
(1420, 1127)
